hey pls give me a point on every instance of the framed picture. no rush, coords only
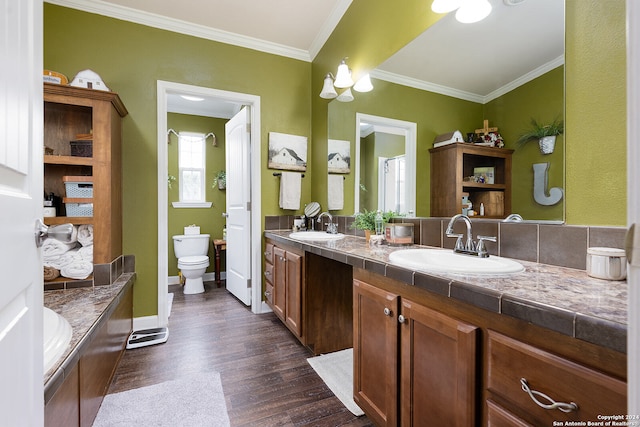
(484, 175)
(288, 152)
(339, 156)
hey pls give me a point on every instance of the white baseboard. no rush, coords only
(208, 277)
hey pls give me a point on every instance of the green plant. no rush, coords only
(220, 179)
(367, 220)
(538, 130)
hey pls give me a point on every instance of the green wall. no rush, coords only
(130, 58)
(209, 220)
(596, 112)
(542, 99)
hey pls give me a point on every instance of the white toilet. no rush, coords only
(191, 251)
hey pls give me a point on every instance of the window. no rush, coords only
(191, 169)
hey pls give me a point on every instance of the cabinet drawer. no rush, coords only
(497, 416)
(268, 273)
(268, 253)
(268, 294)
(510, 361)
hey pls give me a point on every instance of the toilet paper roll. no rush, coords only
(49, 212)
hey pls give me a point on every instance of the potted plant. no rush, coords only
(220, 179)
(367, 221)
(544, 134)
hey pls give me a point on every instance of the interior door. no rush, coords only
(238, 165)
(21, 188)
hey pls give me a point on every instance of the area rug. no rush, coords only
(336, 370)
(192, 401)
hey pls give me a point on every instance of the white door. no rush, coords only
(21, 188)
(238, 164)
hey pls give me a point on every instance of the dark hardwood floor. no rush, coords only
(266, 378)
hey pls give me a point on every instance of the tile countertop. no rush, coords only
(565, 300)
(84, 309)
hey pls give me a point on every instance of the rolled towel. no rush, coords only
(79, 269)
(50, 273)
(52, 248)
(85, 234)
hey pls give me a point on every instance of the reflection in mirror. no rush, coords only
(385, 164)
(478, 73)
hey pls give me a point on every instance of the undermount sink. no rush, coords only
(447, 261)
(315, 235)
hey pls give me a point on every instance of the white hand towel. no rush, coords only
(290, 190)
(336, 192)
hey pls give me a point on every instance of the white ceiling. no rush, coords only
(469, 61)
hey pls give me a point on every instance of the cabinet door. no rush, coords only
(293, 293)
(375, 353)
(438, 368)
(497, 416)
(279, 282)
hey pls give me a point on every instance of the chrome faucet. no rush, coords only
(331, 227)
(513, 218)
(469, 247)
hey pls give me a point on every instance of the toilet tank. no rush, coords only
(190, 245)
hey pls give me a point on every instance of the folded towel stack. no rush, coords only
(72, 261)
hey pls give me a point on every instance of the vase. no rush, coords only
(547, 144)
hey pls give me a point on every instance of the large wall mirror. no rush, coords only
(508, 69)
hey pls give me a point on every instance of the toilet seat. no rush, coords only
(193, 260)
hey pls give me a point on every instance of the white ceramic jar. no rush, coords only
(606, 263)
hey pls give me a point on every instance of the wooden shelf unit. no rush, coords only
(69, 111)
(450, 164)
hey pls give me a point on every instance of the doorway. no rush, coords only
(164, 91)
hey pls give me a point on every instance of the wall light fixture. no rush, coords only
(468, 11)
(343, 80)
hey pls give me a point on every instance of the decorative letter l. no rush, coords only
(540, 178)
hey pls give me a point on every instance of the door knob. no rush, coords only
(224, 214)
(62, 232)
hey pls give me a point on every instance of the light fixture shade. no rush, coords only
(328, 91)
(471, 11)
(445, 6)
(363, 84)
(345, 96)
(343, 78)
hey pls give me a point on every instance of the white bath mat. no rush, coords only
(193, 401)
(336, 370)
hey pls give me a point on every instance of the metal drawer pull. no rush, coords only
(401, 319)
(387, 311)
(564, 407)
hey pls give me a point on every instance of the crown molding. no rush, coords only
(178, 26)
(422, 85)
(545, 68)
(329, 25)
(468, 96)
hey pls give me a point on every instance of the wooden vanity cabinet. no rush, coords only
(412, 363)
(284, 291)
(451, 164)
(510, 361)
(68, 112)
(311, 294)
(426, 359)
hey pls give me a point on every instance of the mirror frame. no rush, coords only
(397, 127)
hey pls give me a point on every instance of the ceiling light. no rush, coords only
(343, 77)
(363, 84)
(328, 91)
(471, 11)
(445, 6)
(191, 98)
(345, 96)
